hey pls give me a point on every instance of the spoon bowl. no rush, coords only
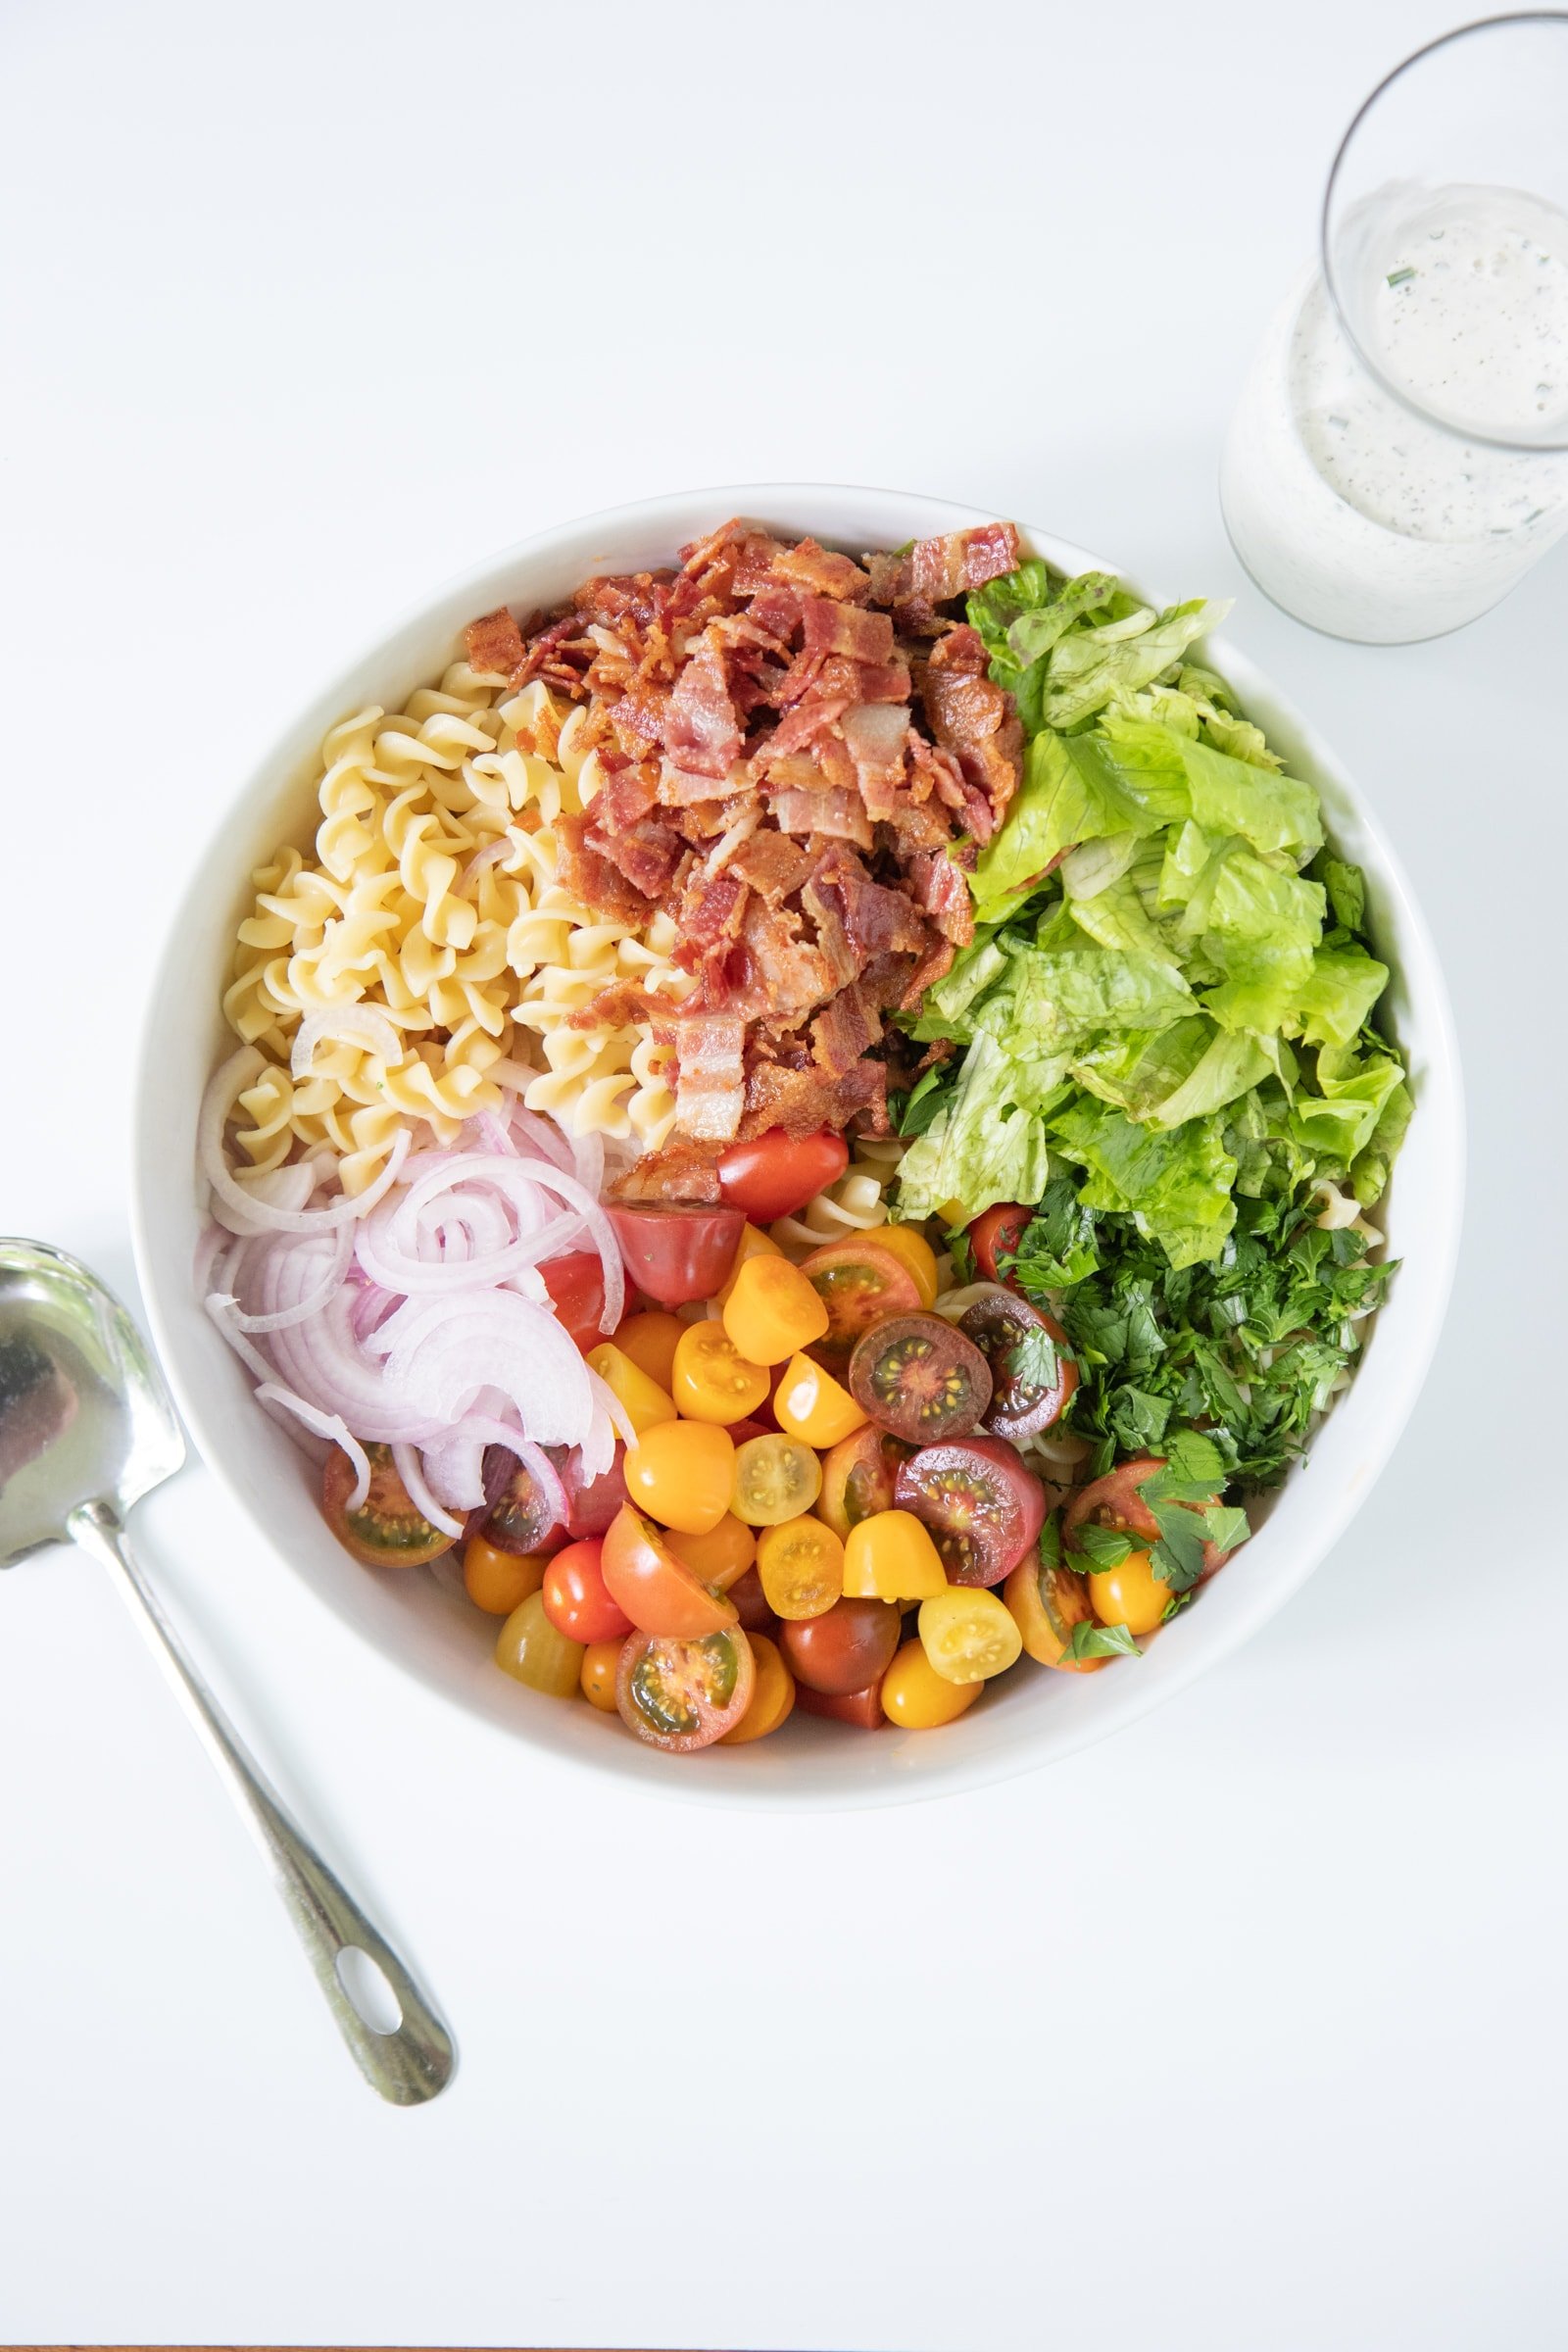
(88, 1427)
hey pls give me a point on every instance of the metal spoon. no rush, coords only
(86, 1428)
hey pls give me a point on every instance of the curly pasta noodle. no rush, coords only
(431, 898)
(855, 1202)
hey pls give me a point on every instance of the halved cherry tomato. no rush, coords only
(1115, 1501)
(650, 1340)
(775, 1479)
(685, 1695)
(720, 1557)
(590, 1508)
(800, 1563)
(891, 1556)
(532, 1651)
(675, 1253)
(523, 1517)
(917, 1698)
(997, 1234)
(918, 1377)
(754, 1242)
(857, 1478)
(576, 1287)
(809, 1404)
(775, 1174)
(969, 1634)
(682, 1472)
(577, 1601)
(862, 1709)
(497, 1581)
(711, 1380)
(741, 1433)
(1046, 1603)
(859, 1285)
(655, 1589)
(772, 1310)
(596, 1677)
(1130, 1594)
(644, 1402)
(386, 1531)
(909, 1245)
(772, 1698)
(1032, 1370)
(845, 1649)
(750, 1603)
(984, 1509)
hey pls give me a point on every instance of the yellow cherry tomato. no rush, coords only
(1046, 1604)
(529, 1649)
(968, 1633)
(497, 1581)
(917, 1698)
(596, 1675)
(646, 1402)
(1130, 1595)
(776, 1477)
(809, 1404)
(720, 1557)
(909, 1245)
(772, 1698)
(651, 1341)
(772, 1310)
(754, 1242)
(711, 1381)
(680, 1473)
(891, 1556)
(800, 1564)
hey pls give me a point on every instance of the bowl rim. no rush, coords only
(628, 1763)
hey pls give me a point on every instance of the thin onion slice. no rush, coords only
(361, 1025)
(325, 1425)
(407, 1463)
(223, 1090)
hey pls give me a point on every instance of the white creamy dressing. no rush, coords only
(1361, 516)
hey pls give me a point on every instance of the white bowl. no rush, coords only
(1035, 1714)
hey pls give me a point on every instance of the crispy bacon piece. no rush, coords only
(796, 730)
(681, 1171)
(875, 734)
(844, 1030)
(865, 681)
(944, 895)
(612, 598)
(832, 628)
(684, 788)
(937, 569)
(622, 800)
(802, 1102)
(589, 875)
(833, 811)
(701, 732)
(495, 643)
(710, 1076)
(876, 920)
(934, 965)
(560, 655)
(625, 1005)
(815, 568)
(710, 910)
(974, 720)
(647, 854)
(772, 865)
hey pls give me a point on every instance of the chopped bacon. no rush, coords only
(755, 558)
(559, 653)
(681, 1171)
(586, 873)
(937, 569)
(802, 1102)
(934, 965)
(684, 788)
(647, 854)
(813, 566)
(710, 1077)
(865, 681)
(876, 734)
(792, 979)
(838, 813)
(638, 717)
(795, 730)
(832, 628)
(710, 910)
(495, 643)
(772, 865)
(701, 733)
(639, 596)
(776, 608)
(944, 895)
(844, 1030)
(622, 800)
(974, 720)
(875, 919)
(626, 1006)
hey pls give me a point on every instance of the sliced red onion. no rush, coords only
(222, 1308)
(223, 1089)
(339, 1249)
(455, 1464)
(325, 1425)
(408, 1469)
(361, 1025)
(503, 846)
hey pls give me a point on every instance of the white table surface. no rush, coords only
(1245, 2031)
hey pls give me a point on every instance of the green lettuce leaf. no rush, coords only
(1064, 997)
(1088, 667)
(1342, 988)
(1176, 1185)
(1072, 791)
(1224, 794)
(983, 1147)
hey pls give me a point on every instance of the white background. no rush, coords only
(1246, 2031)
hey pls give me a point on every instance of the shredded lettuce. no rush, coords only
(1169, 1001)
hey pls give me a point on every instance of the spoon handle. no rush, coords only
(414, 2059)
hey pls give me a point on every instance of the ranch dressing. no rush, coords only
(1356, 511)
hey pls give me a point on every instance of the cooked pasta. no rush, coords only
(431, 900)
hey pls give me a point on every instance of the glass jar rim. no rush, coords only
(1341, 309)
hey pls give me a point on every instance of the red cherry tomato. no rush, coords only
(386, 1530)
(862, 1709)
(1000, 1229)
(849, 1646)
(741, 1433)
(675, 1253)
(590, 1508)
(750, 1604)
(523, 1518)
(576, 1600)
(985, 1510)
(775, 1174)
(1022, 1400)
(918, 1377)
(1115, 1501)
(684, 1694)
(576, 1287)
(656, 1590)
(859, 1283)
